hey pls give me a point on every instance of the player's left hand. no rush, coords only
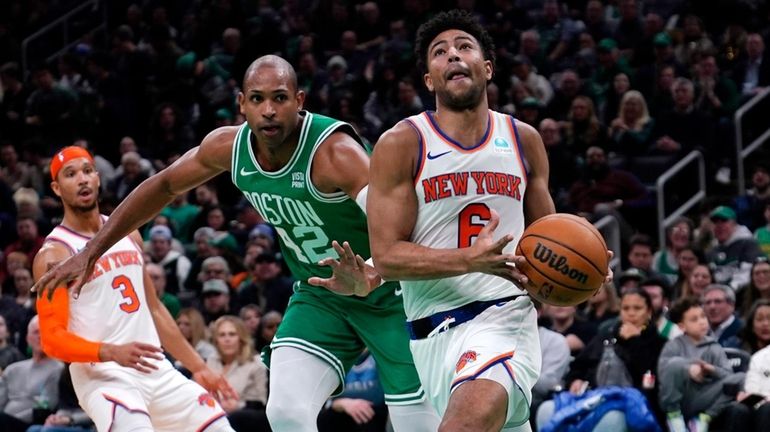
(610, 274)
(215, 383)
(350, 274)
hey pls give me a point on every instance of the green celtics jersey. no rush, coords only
(306, 219)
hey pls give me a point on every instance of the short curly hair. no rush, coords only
(454, 19)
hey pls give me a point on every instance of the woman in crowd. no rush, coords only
(631, 131)
(687, 260)
(678, 237)
(602, 306)
(756, 334)
(637, 346)
(192, 326)
(251, 315)
(583, 128)
(244, 371)
(758, 287)
(700, 277)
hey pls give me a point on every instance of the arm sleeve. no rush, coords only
(58, 342)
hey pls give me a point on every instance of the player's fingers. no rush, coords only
(226, 388)
(338, 248)
(148, 347)
(500, 244)
(491, 226)
(147, 365)
(329, 262)
(349, 254)
(320, 282)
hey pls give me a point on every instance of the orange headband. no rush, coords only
(65, 155)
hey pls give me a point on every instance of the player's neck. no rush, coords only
(275, 157)
(86, 223)
(467, 126)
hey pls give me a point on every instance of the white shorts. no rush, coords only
(500, 344)
(173, 402)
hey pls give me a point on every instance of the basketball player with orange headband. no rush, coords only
(112, 333)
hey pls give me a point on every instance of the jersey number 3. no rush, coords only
(472, 219)
(123, 283)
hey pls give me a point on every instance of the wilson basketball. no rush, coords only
(566, 259)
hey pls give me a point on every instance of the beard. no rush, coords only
(468, 99)
(85, 208)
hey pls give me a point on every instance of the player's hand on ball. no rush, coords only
(72, 273)
(359, 409)
(216, 384)
(134, 355)
(487, 254)
(610, 274)
(350, 273)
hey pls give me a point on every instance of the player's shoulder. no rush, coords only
(221, 136)
(526, 131)
(52, 252)
(402, 136)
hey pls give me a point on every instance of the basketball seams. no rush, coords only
(582, 221)
(568, 248)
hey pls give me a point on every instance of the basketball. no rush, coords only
(566, 259)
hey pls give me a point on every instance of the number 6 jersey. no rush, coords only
(112, 306)
(457, 188)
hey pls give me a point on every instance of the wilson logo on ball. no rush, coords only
(559, 263)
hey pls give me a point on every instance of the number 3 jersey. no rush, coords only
(112, 306)
(306, 219)
(457, 188)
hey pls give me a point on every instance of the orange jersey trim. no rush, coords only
(58, 342)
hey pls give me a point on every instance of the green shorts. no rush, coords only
(338, 328)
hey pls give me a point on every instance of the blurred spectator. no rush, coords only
(630, 29)
(621, 84)
(12, 262)
(191, 324)
(736, 248)
(28, 240)
(596, 22)
(251, 315)
(678, 236)
(103, 166)
(268, 288)
(715, 93)
(694, 371)
(658, 291)
(756, 333)
(68, 417)
(244, 371)
(564, 320)
(603, 306)
(215, 267)
(630, 279)
(176, 265)
(169, 133)
(216, 300)
(685, 128)
(130, 177)
(8, 352)
(758, 287)
(752, 72)
(361, 406)
(568, 87)
(128, 144)
(689, 257)
(752, 207)
(663, 57)
(203, 250)
(694, 43)
(15, 173)
(561, 161)
(632, 129)
(529, 111)
(604, 190)
(262, 234)
(267, 328)
(158, 277)
(49, 111)
(719, 305)
(661, 96)
(536, 85)
(583, 129)
(28, 384)
(22, 280)
(13, 105)
(640, 254)
(181, 214)
(700, 277)
(556, 357)
(610, 65)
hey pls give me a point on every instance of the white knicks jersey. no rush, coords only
(456, 190)
(112, 307)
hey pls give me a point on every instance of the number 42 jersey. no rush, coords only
(457, 188)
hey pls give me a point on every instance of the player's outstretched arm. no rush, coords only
(392, 212)
(58, 342)
(192, 169)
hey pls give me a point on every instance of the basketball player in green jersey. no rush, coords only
(307, 175)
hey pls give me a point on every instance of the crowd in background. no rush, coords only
(619, 90)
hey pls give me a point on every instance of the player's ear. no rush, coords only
(300, 99)
(241, 100)
(488, 70)
(55, 188)
(428, 82)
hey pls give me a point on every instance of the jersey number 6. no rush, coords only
(470, 222)
(123, 283)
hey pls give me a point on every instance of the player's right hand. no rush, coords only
(133, 355)
(70, 273)
(360, 410)
(487, 254)
(216, 384)
(350, 273)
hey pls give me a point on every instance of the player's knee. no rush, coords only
(287, 415)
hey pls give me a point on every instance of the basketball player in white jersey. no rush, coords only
(112, 333)
(450, 192)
